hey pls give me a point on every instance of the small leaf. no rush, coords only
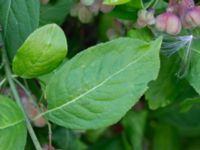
(18, 18)
(98, 86)
(42, 52)
(12, 126)
(115, 2)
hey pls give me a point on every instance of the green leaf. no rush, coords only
(67, 139)
(136, 4)
(115, 2)
(18, 19)
(134, 126)
(187, 104)
(12, 126)
(55, 12)
(165, 138)
(147, 3)
(99, 85)
(167, 88)
(142, 34)
(188, 123)
(42, 52)
(114, 143)
(194, 74)
(127, 11)
(124, 12)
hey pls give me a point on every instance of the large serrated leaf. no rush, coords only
(12, 126)
(42, 52)
(99, 85)
(18, 19)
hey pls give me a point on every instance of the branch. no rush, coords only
(18, 100)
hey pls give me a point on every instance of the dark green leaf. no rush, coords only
(167, 88)
(187, 104)
(188, 122)
(134, 125)
(18, 18)
(66, 139)
(55, 12)
(165, 138)
(194, 74)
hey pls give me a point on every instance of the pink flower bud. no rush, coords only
(169, 23)
(192, 18)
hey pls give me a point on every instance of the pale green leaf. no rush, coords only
(12, 125)
(115, 2)
(42, 52)
(142, 34)
(18, 19)
(99, 85)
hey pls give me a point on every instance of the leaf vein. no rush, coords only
(12, 124)
(94, 88)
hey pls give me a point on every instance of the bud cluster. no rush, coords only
(179, 14)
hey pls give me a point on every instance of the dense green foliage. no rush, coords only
(99, 75)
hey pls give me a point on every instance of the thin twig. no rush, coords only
(50, 134)
(2, 81)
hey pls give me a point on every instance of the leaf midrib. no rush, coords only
(12, 124)
(95, 87)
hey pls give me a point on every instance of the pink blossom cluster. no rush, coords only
(179, 14)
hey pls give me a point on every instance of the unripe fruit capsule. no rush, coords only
(192, 17)
(169, 23)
